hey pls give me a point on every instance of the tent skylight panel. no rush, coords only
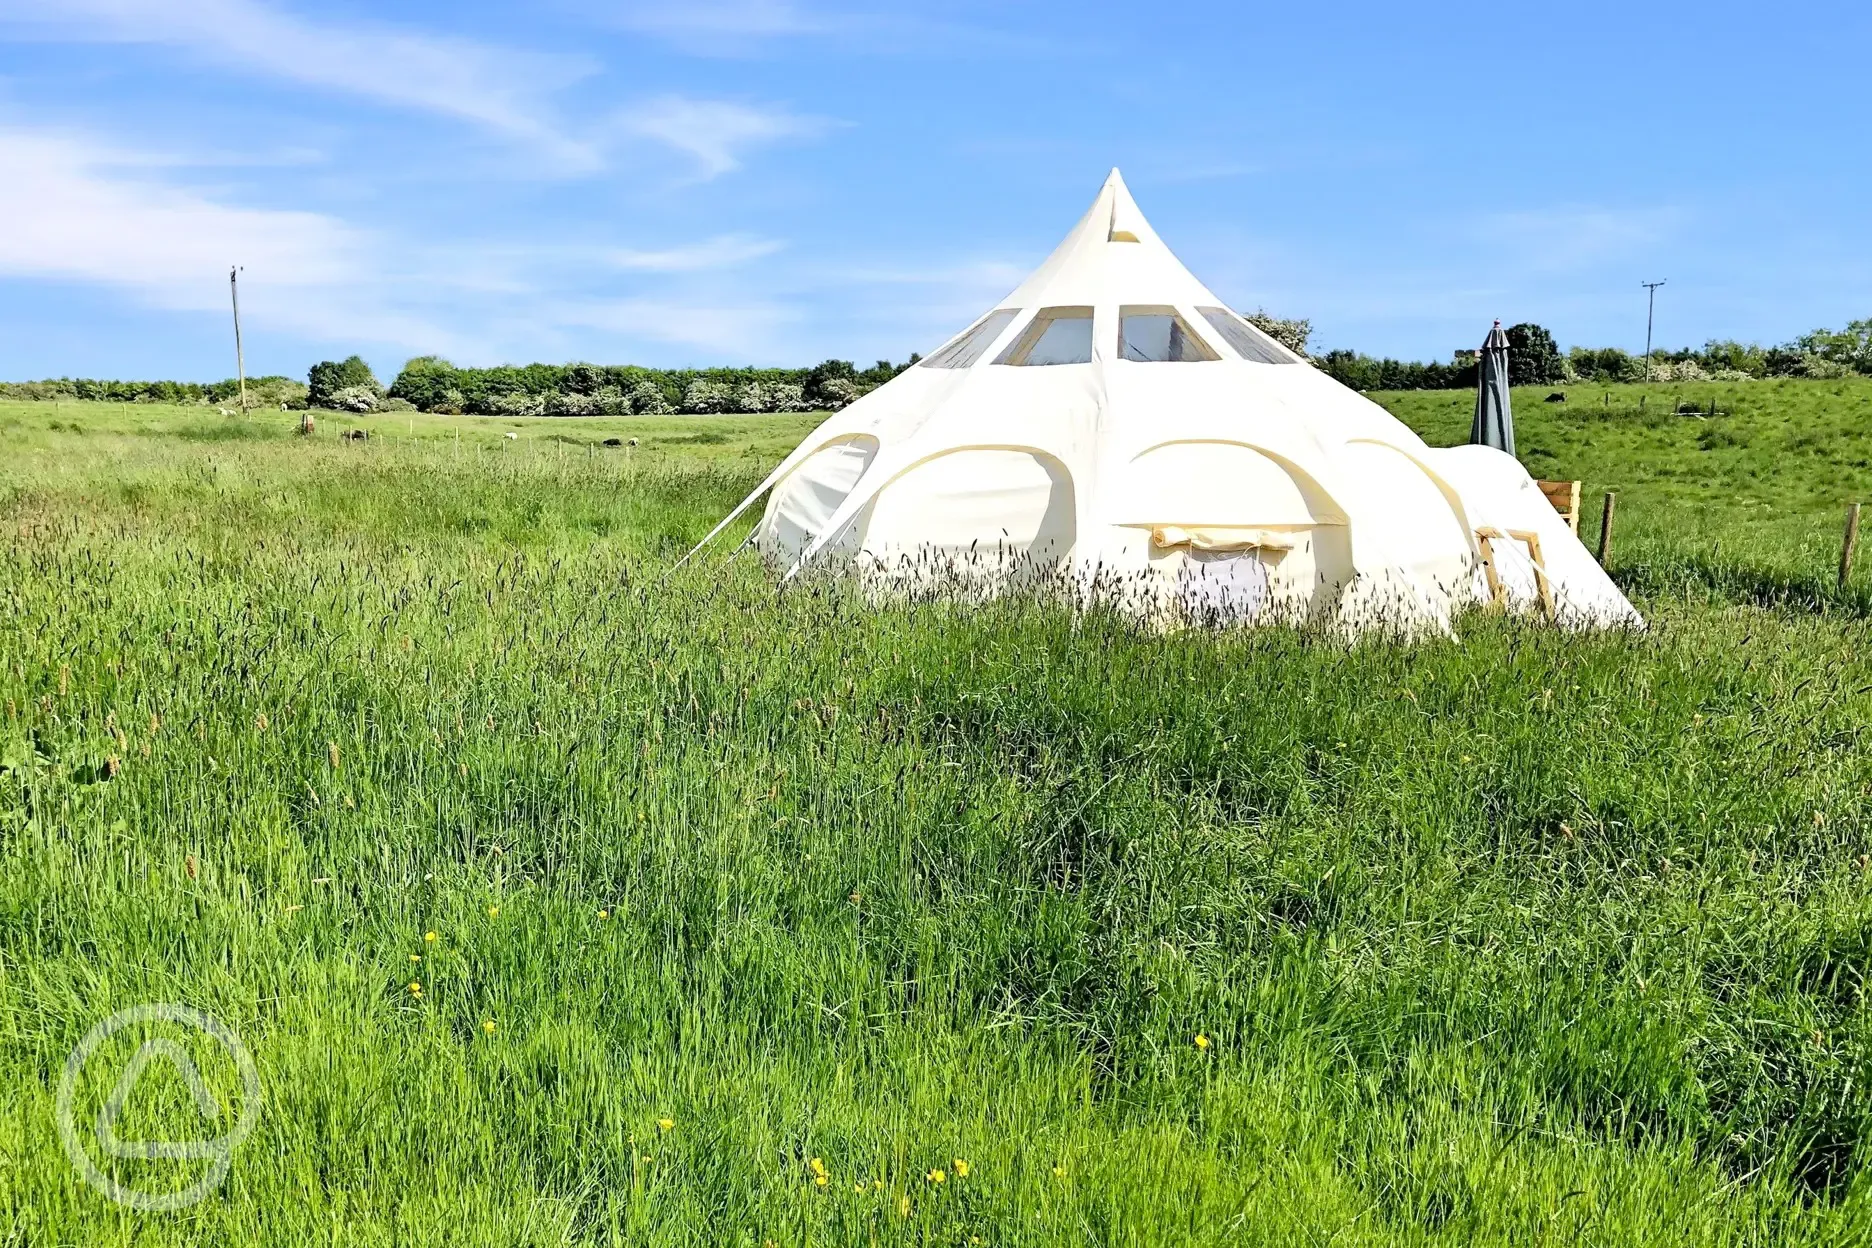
(1055, 336)
(1158, 335)
(1247, 341)
(974, 343)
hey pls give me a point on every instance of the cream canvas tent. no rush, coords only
(1113, 426)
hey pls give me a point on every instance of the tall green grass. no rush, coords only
(1520, 938)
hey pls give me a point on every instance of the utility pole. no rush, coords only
(240, 361)
(1650, 311)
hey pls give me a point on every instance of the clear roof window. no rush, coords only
(1159, 335)
(974, 343)
(1055, 336)
(1247, 341)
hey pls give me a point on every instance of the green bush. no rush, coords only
(353, 399)
(1533, 357)
(430, 382)
(707, 398)
(1292, 334)
(327, 379)
(648, 399)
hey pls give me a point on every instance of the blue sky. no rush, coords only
(675, 182)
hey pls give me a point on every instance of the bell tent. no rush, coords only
(1112, 426)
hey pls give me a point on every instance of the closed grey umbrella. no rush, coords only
(1494, 410)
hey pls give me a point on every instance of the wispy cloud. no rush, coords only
(744, 329)
(739, 28)
(722, 252)
(716, 133)
(1559, 238)
(82, 210)
(503, 90)
(510, 93)
(72, 211)
(715, 22)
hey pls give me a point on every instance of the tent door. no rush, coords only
(1223, 586)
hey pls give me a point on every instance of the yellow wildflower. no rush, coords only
(935, 1176)
(666, 1123)
(604, 914)
(493, 912)
(429, 938)
(820, 1180)
(415, 957)
(488, 1026)
(1059, 1172)
(415, 988)
(960, 1167)
(1202, 1041)
(816, 1165)
(903, 1206)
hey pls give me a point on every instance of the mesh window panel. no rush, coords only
(1056, 336)
(1157, 335)
(973, 344)
(1247, 341)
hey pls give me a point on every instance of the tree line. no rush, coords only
(430, 383)
(1535, 360)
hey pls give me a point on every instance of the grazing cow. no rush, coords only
(614, 441)
(354, 435)
(512, 437)
(1555, 397)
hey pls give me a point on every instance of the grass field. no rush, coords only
(1254, 939)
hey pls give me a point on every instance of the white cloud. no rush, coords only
(510, 93)
(723, 20)
(499, 89)
(83, 211)
(1570, 237)
(80, 210)
(721, 252)
(736, 330)
(65, 215)
(740, 28)
(716, 132)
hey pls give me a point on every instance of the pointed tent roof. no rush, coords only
(1088, 269)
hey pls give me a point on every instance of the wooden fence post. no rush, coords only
(1605, 526)
(1849, 543)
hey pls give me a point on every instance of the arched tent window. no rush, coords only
(1421, 521)
(1054, 336)
(987, 507)
(1196, 485)
(804, 501)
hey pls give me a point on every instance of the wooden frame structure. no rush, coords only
(1565, 497)
(1486, 538)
